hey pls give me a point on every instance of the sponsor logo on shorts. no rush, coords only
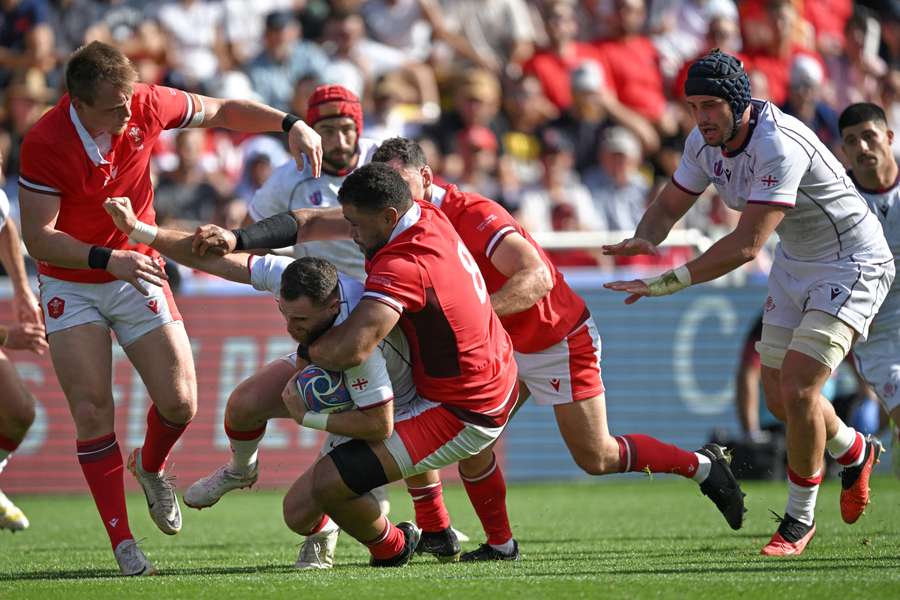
(555, 383)
(889, 389)
(835, 292)
(770, 304)
(154, 306)
(56, 307)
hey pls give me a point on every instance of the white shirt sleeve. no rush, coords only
(4, 209)
(690, 176)
(275, 194)
(266, 271)
(368, 383)
(777, 176)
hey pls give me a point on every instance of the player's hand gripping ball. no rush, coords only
(323, 391)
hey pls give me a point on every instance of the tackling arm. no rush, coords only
(529, 278)
(350, 343)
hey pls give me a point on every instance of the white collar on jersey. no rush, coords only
(90, 146)
(437, 195)
(409, 219)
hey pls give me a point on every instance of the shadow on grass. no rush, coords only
(111, 574)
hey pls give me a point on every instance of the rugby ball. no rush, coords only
(323, 391)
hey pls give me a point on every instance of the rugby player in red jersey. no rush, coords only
(95, 144)
(421, 276)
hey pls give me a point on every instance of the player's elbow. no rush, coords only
(749, 251)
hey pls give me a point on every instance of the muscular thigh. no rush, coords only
(583, 424)
(14, 397)
(260, 394)
(165, 363)
(82, 360)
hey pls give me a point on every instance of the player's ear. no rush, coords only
(427, 176)
(391, 216)
(890, 136)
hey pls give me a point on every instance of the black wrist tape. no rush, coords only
(99, 257)
(288, 121)
(277, 231)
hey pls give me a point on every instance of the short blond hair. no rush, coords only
(95, 63)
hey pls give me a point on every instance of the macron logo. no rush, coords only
(555, 383)
(114, 522)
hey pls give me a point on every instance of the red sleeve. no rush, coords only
(174, 108)
(396, 280)
(482, 225)
(37, 169)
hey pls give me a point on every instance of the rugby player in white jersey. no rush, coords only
(313, 297)
(336, 115)
(25, 333)
(867, 141)
(831, 272)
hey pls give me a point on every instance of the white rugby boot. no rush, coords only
(11, 516)
(159, 489)
(132, 561)
(317, 551)
(208, 490)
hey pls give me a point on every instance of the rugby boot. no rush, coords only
(790, 539)
(443, 545)
(411, 535)
(159, 489)
(208, 490)
(855, 482)
(488, 552)
(722, 488)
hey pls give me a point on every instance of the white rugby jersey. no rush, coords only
(4, 209)
(289, 189)
(783, 163)
(885, 204)
(384, 375)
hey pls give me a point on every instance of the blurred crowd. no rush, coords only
(568, 112)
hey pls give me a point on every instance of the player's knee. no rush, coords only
(93, 414)
(327, 485)
(823, 337)
(242, 408)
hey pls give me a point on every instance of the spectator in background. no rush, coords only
(723, 33)
(479, 150)
(559, 185)
(594, 108)
(400, 24)
(528, 112)
(785, 38)
(680, 29)
(553, 64)
(395, 109)
(856, 73)
(618, 189)
(303, 89)
(186, 195)
(70, 20)
(26, 100)
(26, 39)
(805, 100)
(633, 64)
(194, 31)
(244, 25)
(284, 60)
(890, 33)
(476, 101)
(496, 35)
(130, 27)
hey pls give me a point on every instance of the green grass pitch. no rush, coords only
(624, 538)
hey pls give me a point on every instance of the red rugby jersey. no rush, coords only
(60, 158)
(483, 224)
(461, 354)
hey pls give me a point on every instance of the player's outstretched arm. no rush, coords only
(255, 117)
(177, 244)
(529, 278)
(350, 343)
(277, 231)
(669, 206)
(25, 305)
(757, 223)
(45, 243)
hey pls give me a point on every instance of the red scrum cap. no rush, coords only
(329, 101)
